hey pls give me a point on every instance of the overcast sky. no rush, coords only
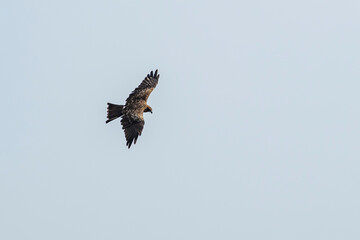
(254, 134)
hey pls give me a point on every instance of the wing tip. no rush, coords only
(128, 143)
(153, 74)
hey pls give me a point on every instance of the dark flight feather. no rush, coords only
(132, 129)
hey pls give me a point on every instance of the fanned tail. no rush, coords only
(114, 111)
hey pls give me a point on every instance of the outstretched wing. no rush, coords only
(132, 129)
(142, 92)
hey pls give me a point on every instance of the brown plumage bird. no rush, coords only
(131, 113)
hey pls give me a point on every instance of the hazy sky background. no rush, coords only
(255, 132)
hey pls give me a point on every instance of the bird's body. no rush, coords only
(131, 113)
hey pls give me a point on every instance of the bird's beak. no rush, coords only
(151, 112)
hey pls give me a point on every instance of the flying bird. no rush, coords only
(131, 113)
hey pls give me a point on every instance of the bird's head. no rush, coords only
(148, 109)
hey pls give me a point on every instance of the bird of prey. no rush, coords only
(131, 113)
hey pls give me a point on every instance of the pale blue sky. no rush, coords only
(255, 132)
